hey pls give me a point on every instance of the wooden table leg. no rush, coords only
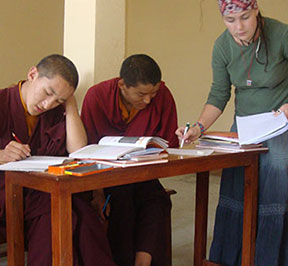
(61, 219)
(250, 214)
(201, 215)
(14, 221)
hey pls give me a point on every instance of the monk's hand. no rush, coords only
(14, 151)
(193, 134)
(98, 203)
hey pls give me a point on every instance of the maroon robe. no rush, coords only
(49, 138)
(138, 211)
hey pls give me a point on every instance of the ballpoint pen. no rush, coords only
(106, 203)
(16, 138)
(185, 132)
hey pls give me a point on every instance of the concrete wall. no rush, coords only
(29, 30)
(180, 36)
(94, 38)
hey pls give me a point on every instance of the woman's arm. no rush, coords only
(208, 116)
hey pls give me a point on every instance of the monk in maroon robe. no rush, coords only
(42, 114)
(136, 104)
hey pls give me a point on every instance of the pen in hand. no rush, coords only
(16, 138)
(106, 203)
(25, 148)
(185, 132)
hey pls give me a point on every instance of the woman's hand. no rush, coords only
(208, 116)
(14, 151)
(193, 134)
(283, 109)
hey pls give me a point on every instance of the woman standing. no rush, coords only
(251, 55)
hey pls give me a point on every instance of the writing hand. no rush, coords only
(193, 134)
(14, 151)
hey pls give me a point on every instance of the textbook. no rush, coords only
(223, 136)
(260, 127)
(225, 142)
(113, 148)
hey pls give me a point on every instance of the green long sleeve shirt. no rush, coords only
(234, 64)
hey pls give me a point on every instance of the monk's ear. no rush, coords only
(121, 83)
(32, 73)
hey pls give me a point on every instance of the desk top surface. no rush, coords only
(176, 165)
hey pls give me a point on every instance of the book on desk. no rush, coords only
(114, 148)
(137, 161)
(119, 151)
(223, 141)
(253, 130)
(133, 151)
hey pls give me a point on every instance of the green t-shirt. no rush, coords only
(234, 64)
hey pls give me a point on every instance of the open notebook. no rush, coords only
(33, 163)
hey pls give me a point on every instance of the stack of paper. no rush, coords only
(225, 142)
(260, 127)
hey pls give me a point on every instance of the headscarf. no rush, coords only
(233, 6)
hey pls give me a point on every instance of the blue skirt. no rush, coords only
(272, 223)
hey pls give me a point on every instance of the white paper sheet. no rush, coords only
(33, 163)
(257, 128)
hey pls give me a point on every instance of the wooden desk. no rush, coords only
(62, 187)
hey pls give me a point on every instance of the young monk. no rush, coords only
(41, 112)
(135, 104)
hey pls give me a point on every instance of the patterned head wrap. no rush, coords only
(233, 6)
